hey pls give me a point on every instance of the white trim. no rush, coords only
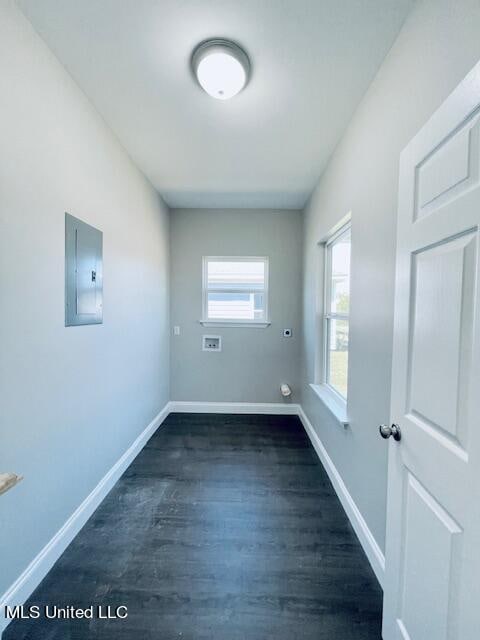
(347, 218)
(370, 546)
(276, 408)
(27, 582)
(333, 401)
(252, 324)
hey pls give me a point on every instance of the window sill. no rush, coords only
(336, 406)
(261, 324)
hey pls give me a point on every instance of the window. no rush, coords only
(336, 314)
(235, 290)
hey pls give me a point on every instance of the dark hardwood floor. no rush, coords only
(225, 527)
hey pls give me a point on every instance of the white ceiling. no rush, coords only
(312, 62)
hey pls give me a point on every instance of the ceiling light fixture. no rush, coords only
(221, 67)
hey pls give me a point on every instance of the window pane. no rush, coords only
(340, 274)
(259, 306)
(337, 355)
(242, 275)
(236, 306)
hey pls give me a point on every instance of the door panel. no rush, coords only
(442, 287)
(433, 512)
(449, 170)
(430, 555)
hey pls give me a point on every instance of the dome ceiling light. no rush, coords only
(221, 67)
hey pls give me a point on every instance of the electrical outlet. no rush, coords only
(176, 330)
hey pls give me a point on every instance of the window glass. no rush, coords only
(235, 289)
(340, 275)
(236, 275)
(232, 306)
(338, 356)
(337, 308)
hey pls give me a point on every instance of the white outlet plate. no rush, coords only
(211, 343)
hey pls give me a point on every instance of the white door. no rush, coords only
(432, 582)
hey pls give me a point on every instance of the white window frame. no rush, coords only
(328, 315)
(333, 399)
(219, 322)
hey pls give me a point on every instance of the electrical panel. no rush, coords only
(83, 273)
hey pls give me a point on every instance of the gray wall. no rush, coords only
(436, 48)
(253, 362)
(72, 400)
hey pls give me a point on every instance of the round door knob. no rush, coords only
(394, 430)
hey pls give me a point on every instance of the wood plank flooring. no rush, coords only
(225, 527)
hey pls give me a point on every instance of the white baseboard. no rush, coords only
(276, 408)
(27, 582)
(22, 588)
(365, 536)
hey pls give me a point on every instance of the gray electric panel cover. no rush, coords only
(83, 273)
